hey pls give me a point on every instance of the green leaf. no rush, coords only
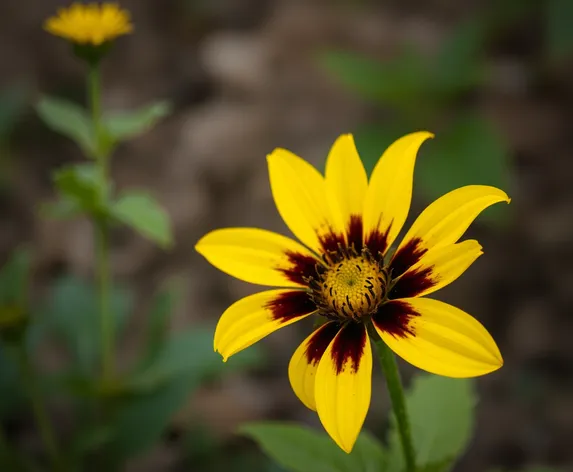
(13, 102)
(184, 363)
(162, 307)
(469, 152)
(140, 423)
(538, 468)
(459, 66)
(127, 125)
(399, 82)
(70, 120)
(559, 18)
(71, 315)
(10, 385)
(441, 466)
(190, 353)
(64, 208)
(140, 211)
(81, 184)
(301, 449)
(14, 277)
(85, 441)
(441, 412)
(372, 141)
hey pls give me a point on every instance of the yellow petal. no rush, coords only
(444, 222)
(343, 385)
(436, 269)
(438, 338)
(300, 195)
(258, 256)
(346, 184)
(254, 317)
(389, 193)
(304, 362)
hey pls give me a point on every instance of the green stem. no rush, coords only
(106, 321)
(38, 408)
(94, 95)
(101, 231)
(394, 384)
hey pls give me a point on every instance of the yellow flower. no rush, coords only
(90, 23)
(340, 272)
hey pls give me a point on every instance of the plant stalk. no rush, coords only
(101, 232)
(394, 384)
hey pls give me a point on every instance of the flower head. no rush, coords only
(90, 24)
(345, 273)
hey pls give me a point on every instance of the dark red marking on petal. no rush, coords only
(394, 318)
(377, 242)
(412, 283)
(289, 305)
(349, 345)
(354, 232)
(320, 340)
(331, 241)
(301, 267)
(407, 256)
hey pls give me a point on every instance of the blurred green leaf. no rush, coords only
(372, 141)
(13, 102)
(157, 329)
(10, 386)
(401, 81)
(140, 423)
(559, 18)
(301, 449)
(64, 208)
(140, 211)
(86, 441)
(190, 353)
(14, 278)
(441, 412)
(458, 65)
(127, 125)
(70, 120)
(201, 447)
(185, 362)
(81, 184)
(532, 469)
(441, 466)
(71, 315)
(469, 152)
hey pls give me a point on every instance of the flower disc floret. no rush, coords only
(350, 288)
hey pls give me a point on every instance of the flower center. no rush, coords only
(352, 287)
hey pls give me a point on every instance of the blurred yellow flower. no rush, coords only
(90, 23)
(345, 272)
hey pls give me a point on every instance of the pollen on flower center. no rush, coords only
(352, 287)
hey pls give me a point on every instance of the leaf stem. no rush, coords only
(394, 384)
(101, 231)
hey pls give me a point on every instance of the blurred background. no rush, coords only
(493, 80)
